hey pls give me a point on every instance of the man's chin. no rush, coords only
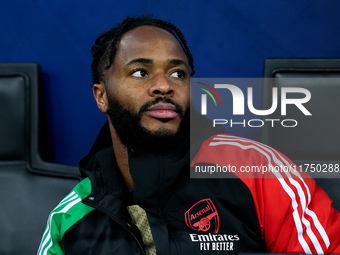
(156, 140)
(161, 126)
(161, 131)
(163, 136)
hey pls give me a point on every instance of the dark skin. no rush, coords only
(149, 63)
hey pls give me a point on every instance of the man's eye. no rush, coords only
(139, 73)
(178, 74)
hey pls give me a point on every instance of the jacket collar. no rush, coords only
(152, 173)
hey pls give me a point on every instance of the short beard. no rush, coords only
(131, 133)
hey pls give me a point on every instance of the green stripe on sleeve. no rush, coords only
(68, 212)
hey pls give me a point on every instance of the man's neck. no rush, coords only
(122, 158)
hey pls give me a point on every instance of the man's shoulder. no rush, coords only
(68, 212)
(71, 209)
(74, 198)
(83, 188)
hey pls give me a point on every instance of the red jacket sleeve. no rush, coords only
(294, 214)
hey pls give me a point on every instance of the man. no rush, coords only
(137, 196)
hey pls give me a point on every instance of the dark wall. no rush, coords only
(227, 38)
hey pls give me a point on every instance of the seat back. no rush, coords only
(314, 143)
(30, 187)
(12, 117)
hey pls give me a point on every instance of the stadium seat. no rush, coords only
(314, 142)
(30, 187)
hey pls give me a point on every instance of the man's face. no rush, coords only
(149, 81)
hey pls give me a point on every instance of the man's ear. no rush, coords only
(99, 93)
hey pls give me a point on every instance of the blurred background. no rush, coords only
(227, 39)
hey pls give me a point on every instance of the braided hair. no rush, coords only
(105, 46)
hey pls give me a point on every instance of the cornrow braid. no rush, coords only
(105, 46)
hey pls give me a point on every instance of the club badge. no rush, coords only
(203, 216)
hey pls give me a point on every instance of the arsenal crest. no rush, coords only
(203, 216)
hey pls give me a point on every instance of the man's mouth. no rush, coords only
(162, 111)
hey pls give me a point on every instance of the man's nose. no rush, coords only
(161, 86)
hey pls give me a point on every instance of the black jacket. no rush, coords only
(186, 215)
